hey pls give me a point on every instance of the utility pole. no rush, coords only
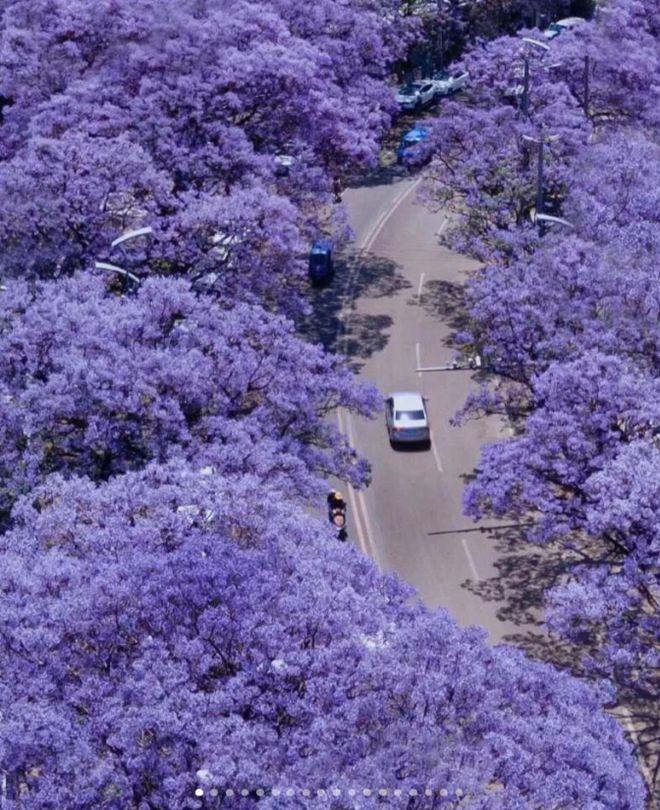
(586, 85)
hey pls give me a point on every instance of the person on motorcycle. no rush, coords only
(337, 513)
(336, 501)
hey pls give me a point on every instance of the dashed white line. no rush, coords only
(418, 359)
(442, 227)
(419, 288)
(470, 559)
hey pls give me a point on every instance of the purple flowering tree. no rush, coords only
(569, 325)
(96, 384)
(180, 115)
(167, 630)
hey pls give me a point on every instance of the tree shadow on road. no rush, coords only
(384, 175)
(334, 322)
(445, 300)
(525, 572)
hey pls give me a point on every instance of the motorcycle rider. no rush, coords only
(336, 501)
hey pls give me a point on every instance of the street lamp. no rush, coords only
(113, 268)
(557, 220)
(126, 237)
(119, 242)
(525, 94)
(540, 142)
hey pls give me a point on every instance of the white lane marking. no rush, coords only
(356, 496)
(362, 540)
(418, 359)
(470, 560)
(434, 450)
(370, 546)
(380, 222)
(442, 227)
(374, 230)
(419, 288)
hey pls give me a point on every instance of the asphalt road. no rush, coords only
(401, 300)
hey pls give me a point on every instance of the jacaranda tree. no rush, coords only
(568, 321)
(170, 630)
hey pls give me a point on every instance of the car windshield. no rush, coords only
(409, 416)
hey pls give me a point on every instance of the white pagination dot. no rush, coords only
(382, 792)
(275, 792)
(260, 791)
(428, 792)
(199, 792)
(214, 792)
(412, 792)
(336, 792)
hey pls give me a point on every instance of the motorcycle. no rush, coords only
(337, 515)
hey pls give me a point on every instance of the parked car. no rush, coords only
(406, 418)
(321, 265)
(409, 142)
(447, 82)
(555, 28)
(415, 95)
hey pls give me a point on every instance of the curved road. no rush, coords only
(401, 299)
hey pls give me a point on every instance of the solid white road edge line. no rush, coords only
(370, 546)
(380, 223)
(418, 359)
(361, 537)
(436, 455)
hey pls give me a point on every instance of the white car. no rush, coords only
(448, 82)
(415, 95)
(406, 418)
(555, 28)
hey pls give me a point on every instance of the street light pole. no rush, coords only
(525, 95)
(539, 182)
(540, 142)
